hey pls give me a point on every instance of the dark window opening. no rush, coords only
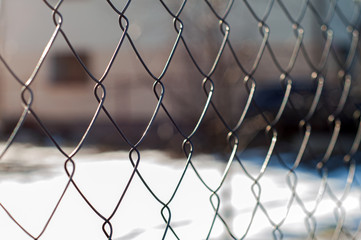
(67, 70)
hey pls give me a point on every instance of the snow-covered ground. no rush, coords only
(32, 179)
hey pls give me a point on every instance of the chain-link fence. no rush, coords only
(271, 89)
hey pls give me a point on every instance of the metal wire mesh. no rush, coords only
(231, 76)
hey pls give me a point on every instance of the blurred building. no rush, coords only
(64, 92)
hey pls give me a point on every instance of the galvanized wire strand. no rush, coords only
(339, 210)
(101, 100)
(27, 109)
(307, 132)
(232, 137)
(70, 173)
(159, 96)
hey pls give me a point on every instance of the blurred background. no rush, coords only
(63, 91)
